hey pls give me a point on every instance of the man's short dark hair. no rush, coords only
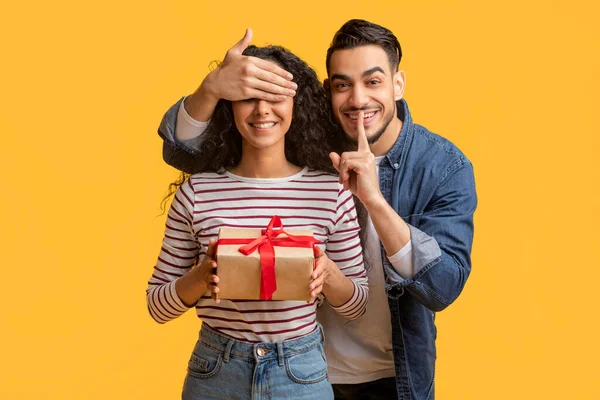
(358, 32)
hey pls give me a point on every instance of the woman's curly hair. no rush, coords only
(312, 135)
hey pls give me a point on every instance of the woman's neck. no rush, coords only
(264, 163)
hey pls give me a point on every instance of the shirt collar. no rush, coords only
(395, 153)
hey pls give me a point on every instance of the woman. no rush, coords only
(267, 160)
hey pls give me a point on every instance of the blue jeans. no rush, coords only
(223, 368)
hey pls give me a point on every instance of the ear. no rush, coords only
(399, 84)
(326, 85)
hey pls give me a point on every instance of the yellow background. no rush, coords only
(83, 86)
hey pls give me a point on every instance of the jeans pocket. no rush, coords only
(205, 361)
(307, 368)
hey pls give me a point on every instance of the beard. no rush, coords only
(378, 134)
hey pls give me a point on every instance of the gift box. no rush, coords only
(269, 264)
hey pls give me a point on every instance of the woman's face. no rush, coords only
(263, 123)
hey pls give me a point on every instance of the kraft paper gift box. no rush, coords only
(240, 275)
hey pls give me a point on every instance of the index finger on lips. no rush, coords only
(363, 142)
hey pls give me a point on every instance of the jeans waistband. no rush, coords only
(260, 352)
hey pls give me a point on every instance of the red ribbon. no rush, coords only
(265, 243)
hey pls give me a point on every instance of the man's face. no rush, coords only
(362, 79)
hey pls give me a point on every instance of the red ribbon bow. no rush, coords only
(265, 243)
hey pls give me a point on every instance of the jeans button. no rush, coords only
(260, 351)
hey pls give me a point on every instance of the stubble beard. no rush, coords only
(373, 139)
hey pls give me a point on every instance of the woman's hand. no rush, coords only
(329, 280)
(208, 268)
(201, 277)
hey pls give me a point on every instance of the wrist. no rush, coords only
(375, 202)
(207, 88)
(202, 271)
(334, 279)
(201, 104)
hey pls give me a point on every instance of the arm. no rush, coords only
(442, 243)
(176, 285)
(358, 173)
(340, 272)
(180, 154)
(440, 246)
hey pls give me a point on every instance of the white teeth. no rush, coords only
(369, 115)
(264, 126)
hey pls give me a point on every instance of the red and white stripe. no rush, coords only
(206, 202)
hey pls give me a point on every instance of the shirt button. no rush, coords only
(260, 351)
(396, 165)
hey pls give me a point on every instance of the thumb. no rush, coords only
(240, 46)
(210, 251)
(335, 160)
(318, 251)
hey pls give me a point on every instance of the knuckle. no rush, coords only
(247, 68)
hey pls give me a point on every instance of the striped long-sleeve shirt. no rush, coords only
(208, 201)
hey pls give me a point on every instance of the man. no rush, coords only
(417, 188)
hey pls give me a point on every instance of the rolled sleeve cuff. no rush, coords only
(425, 249)
(402, 261)
(164, 303)
(425, 253)
(169, 126)
(187, 128)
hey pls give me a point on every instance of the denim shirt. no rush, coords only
(430, 184)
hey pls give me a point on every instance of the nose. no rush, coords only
(262, 107)
(358, 98)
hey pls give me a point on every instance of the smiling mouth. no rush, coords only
(367, 116)
(263, 125)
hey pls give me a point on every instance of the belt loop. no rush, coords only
(280, 353)
(227, 350)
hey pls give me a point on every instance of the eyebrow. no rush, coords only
(340, 77)
(372, 71)
(364, 74)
